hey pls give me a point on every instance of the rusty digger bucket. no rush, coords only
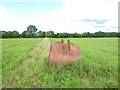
(61, 53)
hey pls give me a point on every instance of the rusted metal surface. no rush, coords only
(61, 53)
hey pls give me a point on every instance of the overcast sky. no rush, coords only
(60, 15)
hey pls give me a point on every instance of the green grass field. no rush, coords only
(24, 64)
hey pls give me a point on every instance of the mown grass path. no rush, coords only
(25, 74)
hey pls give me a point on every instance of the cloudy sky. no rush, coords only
(60, 15)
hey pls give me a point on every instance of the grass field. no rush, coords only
(24, 64)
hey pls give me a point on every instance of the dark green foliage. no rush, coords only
(31, 29)
(10, 34)
(31, 32)
(41, 34)
(50, 34)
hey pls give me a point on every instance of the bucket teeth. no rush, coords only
(69, 48)
(66, 48)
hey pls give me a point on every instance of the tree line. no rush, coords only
(31, 32)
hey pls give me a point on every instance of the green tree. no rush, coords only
(15, 34)
(76, 35)
(31, 29)
(24, 34)
(3, 34)
(50, 34)
(40, 34)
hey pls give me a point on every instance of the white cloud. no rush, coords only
(69, 18)
(10, 22)
(87, 9)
